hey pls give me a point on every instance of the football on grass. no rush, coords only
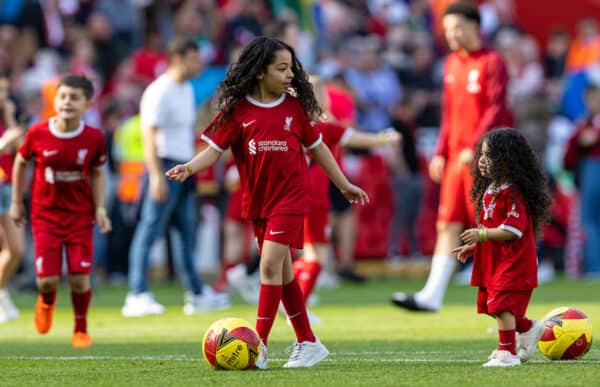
(230, 344)
(568, 334)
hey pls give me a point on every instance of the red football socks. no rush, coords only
(523, 324)
(48, 298)
(507, 341)
(296, 309)
(268, 303)
(307, 279)
(81, 303)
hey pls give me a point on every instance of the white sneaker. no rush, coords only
(528, 341)
(142, 304)
(8, 310)
(261, 362)
(247, 286)
(502, 359)
(208, 301)
(306, 354)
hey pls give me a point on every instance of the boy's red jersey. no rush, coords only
(63, 162)
(506, 265)
(267, 143)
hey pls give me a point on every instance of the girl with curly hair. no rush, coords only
(267, 117)
(512, 204)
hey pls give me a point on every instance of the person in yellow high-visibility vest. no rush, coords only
(128, 154)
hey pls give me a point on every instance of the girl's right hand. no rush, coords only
(355, 195)
(178, 173)
(464, 252)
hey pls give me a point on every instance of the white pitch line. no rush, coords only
(342, 355)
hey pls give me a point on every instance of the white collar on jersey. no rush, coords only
(266, 105)
(59, 134)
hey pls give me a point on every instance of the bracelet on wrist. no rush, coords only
(101, 211)
(483, 234)
(189, 169)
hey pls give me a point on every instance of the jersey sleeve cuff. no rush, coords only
(512, 229)
(316, 143)
(212, 144)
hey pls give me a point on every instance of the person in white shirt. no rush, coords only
(168, 116)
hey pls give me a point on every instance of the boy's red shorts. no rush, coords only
(496, 301)
(72, 233)
(285, 229)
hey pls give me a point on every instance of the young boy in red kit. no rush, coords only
(67, 197)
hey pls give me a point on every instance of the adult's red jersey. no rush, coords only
(506, 265)
(473, 100)
(333, 134)
(267, 143)
(63, 162)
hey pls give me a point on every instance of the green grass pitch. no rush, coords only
(371, 343)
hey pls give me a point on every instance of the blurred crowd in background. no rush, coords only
(381, 61)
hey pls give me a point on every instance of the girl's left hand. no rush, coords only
(470, 236)
(355, 195)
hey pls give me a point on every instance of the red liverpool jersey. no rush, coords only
(473, 100)
(63, 162)
(506, 265)
(267, 143)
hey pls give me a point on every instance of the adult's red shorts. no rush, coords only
(71, 232)
(455, 195)
(316, 226)
(496, 301)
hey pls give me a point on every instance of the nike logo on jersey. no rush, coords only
(85, 264)
(48, 153)
(275, 232)
(246, 124)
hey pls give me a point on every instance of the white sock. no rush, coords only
(3, 292)
(432, 295)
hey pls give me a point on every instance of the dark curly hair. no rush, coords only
(513, 159)
(242, 75)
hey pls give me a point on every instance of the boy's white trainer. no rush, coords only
(306, 354)
(500, 358)
(528, 341)
(261, 362)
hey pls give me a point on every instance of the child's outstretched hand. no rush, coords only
(355, 195)
(470, 236)
(178, 173)
(464, 252)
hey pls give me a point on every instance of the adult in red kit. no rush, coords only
(473, 102)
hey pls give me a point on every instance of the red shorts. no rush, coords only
(455, 195)
(316, 226)
(284, 229)
(495, 301)
(234, 206)
(73, 234)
